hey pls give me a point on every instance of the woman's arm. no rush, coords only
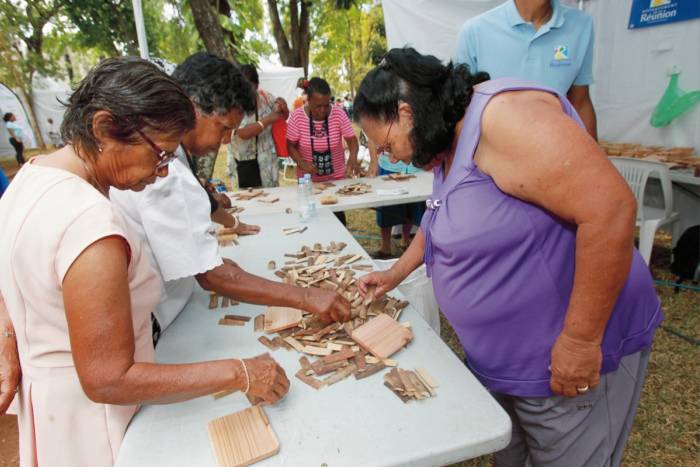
(254, 129)
(295, 154)
(10, 372)
(353, 165)
(536, 153)
(231, 280)
(98, 311)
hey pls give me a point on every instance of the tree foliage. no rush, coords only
(348, 43)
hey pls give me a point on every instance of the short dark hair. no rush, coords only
(317, 85)
(250, 73)
(215, 85)
(136, 94)
(438, 95)
(7, 116)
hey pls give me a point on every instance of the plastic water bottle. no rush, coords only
(309, 186)
(303, 201)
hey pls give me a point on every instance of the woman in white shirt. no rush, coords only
(15, 136)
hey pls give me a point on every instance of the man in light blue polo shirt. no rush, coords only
(537, 40)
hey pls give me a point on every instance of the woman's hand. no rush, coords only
(223, 200)
(328, 305)
(307, 167)
(10, 372)
(382, 281)
(352, 169)
(267, 379)
(575, 366)
(247, 229)
(373, 170)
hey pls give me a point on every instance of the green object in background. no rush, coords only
(673, 103)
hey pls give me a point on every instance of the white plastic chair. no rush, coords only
(649, 219)
(288, 162)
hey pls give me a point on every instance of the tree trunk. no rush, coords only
(29, 101)
(296, 55)
(206, 21)
(351, 66)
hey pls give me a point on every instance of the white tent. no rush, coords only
(47, 93)
(279, 80)
(10, 102)
(630, 66)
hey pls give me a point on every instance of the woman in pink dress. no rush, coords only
(78, 289)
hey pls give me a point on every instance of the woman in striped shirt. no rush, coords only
(315, 136)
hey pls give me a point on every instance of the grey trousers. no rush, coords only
(590, 430)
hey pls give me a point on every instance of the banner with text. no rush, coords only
(647, 13)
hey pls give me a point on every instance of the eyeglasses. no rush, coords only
(386, 147)
(164, 157)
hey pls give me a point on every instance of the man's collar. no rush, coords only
(514, 18)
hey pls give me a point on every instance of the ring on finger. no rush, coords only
(583, 389)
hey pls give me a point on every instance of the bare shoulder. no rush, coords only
(512, 105)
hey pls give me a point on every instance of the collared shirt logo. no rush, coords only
(561, 52)
(561, 57)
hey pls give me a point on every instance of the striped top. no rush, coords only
(339, 127)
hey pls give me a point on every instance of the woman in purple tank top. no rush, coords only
(528, 238)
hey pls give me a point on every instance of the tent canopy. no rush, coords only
(631, 67)
(279, 80)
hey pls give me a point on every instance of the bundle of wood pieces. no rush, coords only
(397, 177)
(675, 158)
(359, 347)
(355, 189)
(227, 236)
(410, 385)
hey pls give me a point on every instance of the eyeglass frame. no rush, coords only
(383, 148)
(164, 157)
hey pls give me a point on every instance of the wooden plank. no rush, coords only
(310, 380)
(319, 351)
(259, 323)
(242, 438)
(298, 346)
(238, 317)
(280, 318)
(231, 322)
(382, 336)
(427, 378)
(267, 343)
(344, 354)
(225, 302)
(340, 374)
(370, 370)
(213, 301)
(321, 368)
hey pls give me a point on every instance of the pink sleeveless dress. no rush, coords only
(48, 217)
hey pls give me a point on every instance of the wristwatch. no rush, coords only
(8, 334)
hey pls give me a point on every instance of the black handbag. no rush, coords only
(249, 171)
